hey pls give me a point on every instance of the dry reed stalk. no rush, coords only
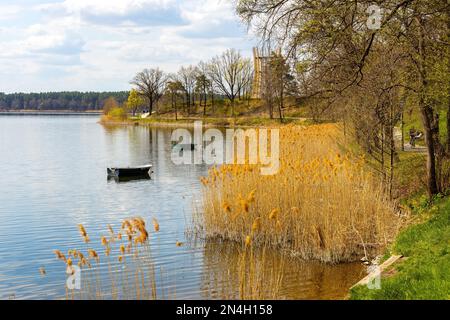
(129, 272)
(322, 205)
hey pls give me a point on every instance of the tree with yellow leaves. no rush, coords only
(134, 102)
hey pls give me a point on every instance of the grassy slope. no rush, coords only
(426, 243)
(426, 272)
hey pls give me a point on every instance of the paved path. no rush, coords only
(408, 148)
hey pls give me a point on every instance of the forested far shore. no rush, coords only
(59, 101)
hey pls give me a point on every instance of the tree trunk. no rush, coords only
(188, 103)
(150, 106)
(448, 72)
(448, 125)
(391, 177)
(176, 111)
(427, 115)
(174, 105)
(403, 129)
(431, 156)
(392, 147)
(280, 105)
(205, 97)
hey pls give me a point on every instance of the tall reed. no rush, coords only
(323, 204)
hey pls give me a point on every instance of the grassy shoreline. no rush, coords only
(224, 122)
(425, 273)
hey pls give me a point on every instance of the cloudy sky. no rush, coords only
(96, 45)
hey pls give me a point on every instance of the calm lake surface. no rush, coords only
(54, 178)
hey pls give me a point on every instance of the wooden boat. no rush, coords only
(140, 171)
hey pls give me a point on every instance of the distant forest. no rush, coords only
(73, 101)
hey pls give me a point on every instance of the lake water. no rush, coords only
(54, 178)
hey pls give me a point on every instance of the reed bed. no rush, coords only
(323, 204)
(123, 269)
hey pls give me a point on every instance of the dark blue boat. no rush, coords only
(129, 172)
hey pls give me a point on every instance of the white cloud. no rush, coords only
(101, 44)
(54, 38)
(8, 12)
(118, 12)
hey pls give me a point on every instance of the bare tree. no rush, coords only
(245, 79)
(226, 71)
(150, 84)
(204, 71)
(187, 77)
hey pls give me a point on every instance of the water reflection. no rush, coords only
(272, 273)
(128, 179)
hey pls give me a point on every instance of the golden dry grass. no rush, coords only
(122, 269)
(322, 205)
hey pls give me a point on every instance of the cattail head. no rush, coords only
(82, 230)
(60, 255)
(80, 255)
(256, 225)
(274, 214)
(251, 196)
(226, 207)
(138, 223)
(93, 254)
(125, 224)
(155, 225)
(204, 181)
(248, 241)
(111, 231)
(245, 206)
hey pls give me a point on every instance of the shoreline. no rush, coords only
(49, 112)
(249, 122)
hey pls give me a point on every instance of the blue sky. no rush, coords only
(96, 45)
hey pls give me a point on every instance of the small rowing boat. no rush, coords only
(130, 171)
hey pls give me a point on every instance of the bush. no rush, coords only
(118, 113)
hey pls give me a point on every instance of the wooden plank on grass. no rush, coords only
(389, 262)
